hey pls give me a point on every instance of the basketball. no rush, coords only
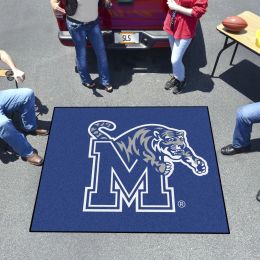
(234, 23)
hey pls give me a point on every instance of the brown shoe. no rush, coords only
(41, 132)
(34, 159)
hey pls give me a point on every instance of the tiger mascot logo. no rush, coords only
(157, 145)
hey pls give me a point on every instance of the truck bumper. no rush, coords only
(147, 40)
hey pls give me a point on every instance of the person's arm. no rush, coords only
(55, 5)
(178, 8)
(199, 8)
(18, 75)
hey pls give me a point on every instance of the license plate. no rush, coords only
(126, 37)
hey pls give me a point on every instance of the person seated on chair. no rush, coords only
(19, 104)
(246, 116)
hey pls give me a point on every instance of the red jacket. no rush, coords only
(185, 26)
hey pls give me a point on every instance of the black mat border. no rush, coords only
(107, 232)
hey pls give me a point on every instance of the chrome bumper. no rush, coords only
(148, 39)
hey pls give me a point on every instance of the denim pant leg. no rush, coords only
(14, 138)
(171, 40)
(78, 34)
(17, 101)
(179, 47)
(27, 111)
(21, 103)
(246, 116)
(96, 38)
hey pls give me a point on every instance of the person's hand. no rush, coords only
(172, 5)
(18, 75)
(107, 3)
(56, 7)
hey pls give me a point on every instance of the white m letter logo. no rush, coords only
(114, 182)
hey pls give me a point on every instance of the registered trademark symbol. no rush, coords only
(181, 204)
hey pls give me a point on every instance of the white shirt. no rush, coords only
(87, 11)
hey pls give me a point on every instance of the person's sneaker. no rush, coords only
(178, 86)
(170, 83)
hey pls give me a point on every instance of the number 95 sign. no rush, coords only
(126, 37)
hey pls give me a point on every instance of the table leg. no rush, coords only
(234, 53)
(226, 45)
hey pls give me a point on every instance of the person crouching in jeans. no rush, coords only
(246, 116)
(83, 25)
(180, 23)
(19, 103)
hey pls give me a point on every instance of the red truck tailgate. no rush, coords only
(134, 15)
(127, 24)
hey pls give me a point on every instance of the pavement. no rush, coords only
(28, 31)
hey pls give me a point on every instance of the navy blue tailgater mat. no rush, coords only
(130, 169)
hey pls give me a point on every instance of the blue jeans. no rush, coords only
(14, 103)
(80, 33)
(179, 47)
(246, 116)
